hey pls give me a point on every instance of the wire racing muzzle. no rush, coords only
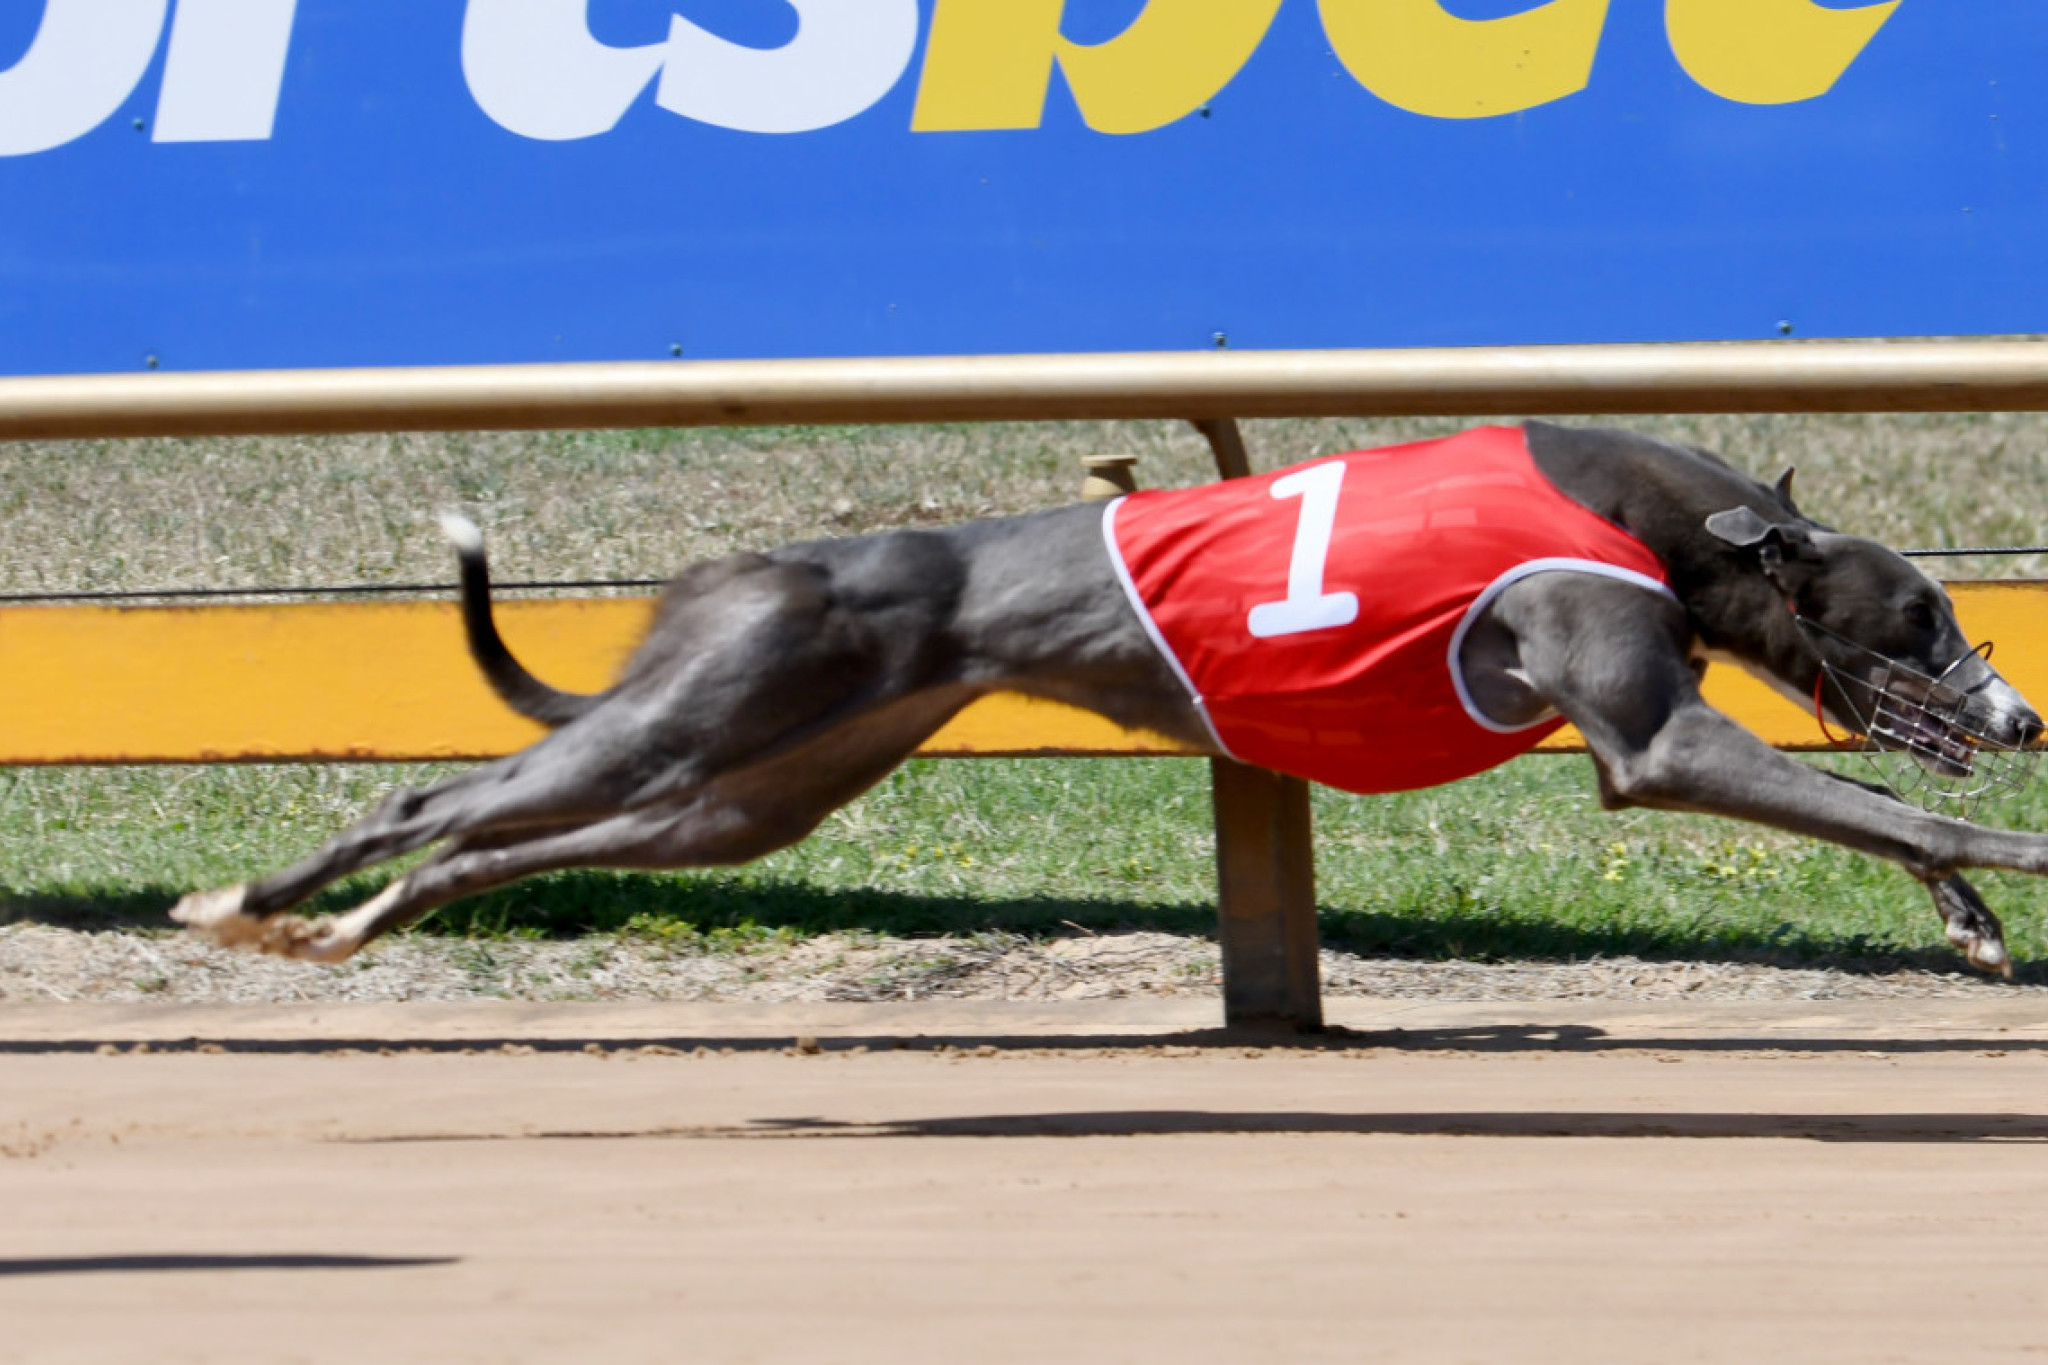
(1900, 713)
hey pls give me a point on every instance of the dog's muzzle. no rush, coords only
(1964, 750)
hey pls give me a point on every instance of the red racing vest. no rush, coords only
(1316, 613)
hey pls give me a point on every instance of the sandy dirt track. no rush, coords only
(1846, 1181)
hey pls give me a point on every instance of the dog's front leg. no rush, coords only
(1972, 927)
(1713, 771)
(1970, 924)
(1613, 660)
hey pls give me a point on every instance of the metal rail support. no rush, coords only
(1265, 864)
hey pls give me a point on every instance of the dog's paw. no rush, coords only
(308, 940)
(218, 915)
(1986, 954)
(1972, 926)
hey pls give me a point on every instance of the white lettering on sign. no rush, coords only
(221, 78)
(86, 60)
(1307, 607)
(536, 69)
(847, 54)
(533, 66)
(224, 70)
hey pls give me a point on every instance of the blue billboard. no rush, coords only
(231, 184)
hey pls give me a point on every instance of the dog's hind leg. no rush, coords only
(656, 838)
(737, 817)
(770, 689)
(749, 659)
(407, 819)
(531, 788)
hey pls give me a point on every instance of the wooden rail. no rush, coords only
(1817, 376)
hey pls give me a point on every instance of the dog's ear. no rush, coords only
(1739, 526)
(1777, 543)
(1783, 488)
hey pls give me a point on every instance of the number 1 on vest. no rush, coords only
(1307, 607)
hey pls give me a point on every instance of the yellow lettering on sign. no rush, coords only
(1416, 56)
(989, 62)
(1769, 51)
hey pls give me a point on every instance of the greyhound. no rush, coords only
(773, 688)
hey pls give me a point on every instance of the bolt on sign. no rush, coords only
(205, 184)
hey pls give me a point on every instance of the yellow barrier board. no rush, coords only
(392, 681)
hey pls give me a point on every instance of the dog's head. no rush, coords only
(1877, 645)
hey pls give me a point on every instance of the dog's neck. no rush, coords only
(1663, 494)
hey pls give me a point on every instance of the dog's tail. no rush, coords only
(519, 689)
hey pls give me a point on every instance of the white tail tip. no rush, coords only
(462, 532)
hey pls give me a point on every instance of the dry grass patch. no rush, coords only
(253, 513)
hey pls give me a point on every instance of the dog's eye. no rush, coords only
(1919, 616)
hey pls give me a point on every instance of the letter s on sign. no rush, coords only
(86, 59)
(534, 67)
(846, 55)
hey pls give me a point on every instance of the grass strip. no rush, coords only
(1516, 864)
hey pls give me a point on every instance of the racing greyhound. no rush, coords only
(773, 688)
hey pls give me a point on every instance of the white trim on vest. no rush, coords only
(1598, 568)
(1152, 631)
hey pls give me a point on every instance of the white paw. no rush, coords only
(1985, 954)
(218, 915)
(1989, 955)
(333, 939)
(319, 940)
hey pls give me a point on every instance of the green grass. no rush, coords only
(1518, 863)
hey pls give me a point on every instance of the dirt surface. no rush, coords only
(1845, 1180)
(43, 964)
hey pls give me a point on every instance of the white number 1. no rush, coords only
(1307, 607)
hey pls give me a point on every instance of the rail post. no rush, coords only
(1265, 863)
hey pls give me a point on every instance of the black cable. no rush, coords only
(344, 590)
(568, 584)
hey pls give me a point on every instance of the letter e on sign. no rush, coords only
(1418, 56)
(1769, 51)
